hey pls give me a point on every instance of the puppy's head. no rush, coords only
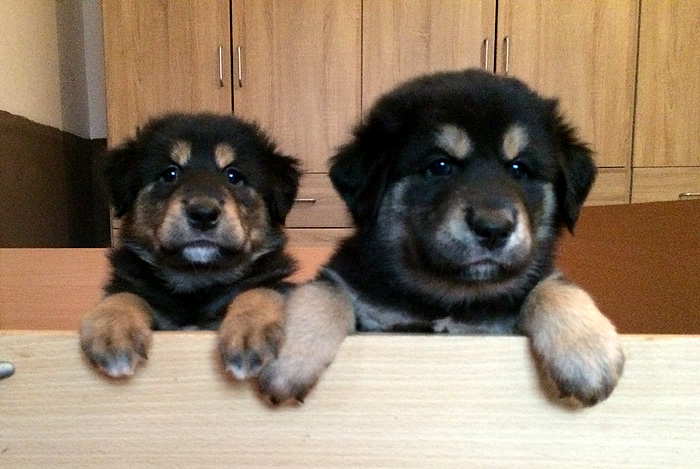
(200, 190)
(464, 179)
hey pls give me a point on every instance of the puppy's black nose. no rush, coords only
(492, 226)
(203, 215)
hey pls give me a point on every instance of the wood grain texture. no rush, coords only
(664, 184)
(405, 39)
(327, 209)
(612, 186)
(163, 56)
(300, 72)
(583, 53)
(389, 401)
(667, 131)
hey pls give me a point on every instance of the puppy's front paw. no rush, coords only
(252, 332)
(318, 317)
(117, 334)
(290, 379)
(578, 346)
(586, 366)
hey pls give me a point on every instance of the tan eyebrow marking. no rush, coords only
(454, 141)
(181, 152)
(224, 155)
(514, 141)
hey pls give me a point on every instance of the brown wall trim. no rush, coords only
(51, 193)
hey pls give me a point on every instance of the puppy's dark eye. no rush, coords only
(170, 175)
(441, 167)
(519, 169)
(234, 176)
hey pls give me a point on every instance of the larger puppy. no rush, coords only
(202, 201)
(459, 185)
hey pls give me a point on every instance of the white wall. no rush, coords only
(51, 64)
(29, 68)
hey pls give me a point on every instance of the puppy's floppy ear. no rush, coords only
(360, 168)
(577, 171)
(283, 183)
(122, 176)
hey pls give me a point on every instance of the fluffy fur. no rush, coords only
(202, 201)
(459, 185)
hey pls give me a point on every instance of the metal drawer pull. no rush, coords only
(305, 201)
(239, 53)
(506, 56)
(688, 195)
(221, 67)
(485, 54)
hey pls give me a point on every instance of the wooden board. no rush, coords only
(388, 401)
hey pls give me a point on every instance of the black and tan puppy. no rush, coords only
(202, 201)
(459, 185)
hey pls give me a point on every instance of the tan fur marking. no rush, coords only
(224, 155)
(454, 141)
(318, 317)
(233, 223)
(181, 152)
(577, 344)
(116, 330)
(252, 331)
(514, 141)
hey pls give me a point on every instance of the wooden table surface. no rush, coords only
(387, 401)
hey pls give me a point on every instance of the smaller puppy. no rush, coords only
(459, 185)
(202, 201)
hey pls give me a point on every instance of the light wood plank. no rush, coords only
(404, 39)
(389, 401)
(583, 53)
(667, 129)
(163, 56)
(300, 72)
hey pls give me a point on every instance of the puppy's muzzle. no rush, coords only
(203, 213)
(492, 226)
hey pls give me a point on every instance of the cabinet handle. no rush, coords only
(506, 56)
(688, 195)
(221, 67)
(305, 201)
(485, 54)
(239, 53)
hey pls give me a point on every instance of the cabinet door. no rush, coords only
(164, 56)
(667, 131)
(406, 38)
(299, 72)
(584, 53)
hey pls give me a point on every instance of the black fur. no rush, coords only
(182, 293)
(402, 267)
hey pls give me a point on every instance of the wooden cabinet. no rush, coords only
(164, 56)
(585, 54)
(297, 72)
(306, 70)
(406, 38)
(667, 124)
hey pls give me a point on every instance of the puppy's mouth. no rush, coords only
(203, 252)
(468, 268)
(200, 252)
